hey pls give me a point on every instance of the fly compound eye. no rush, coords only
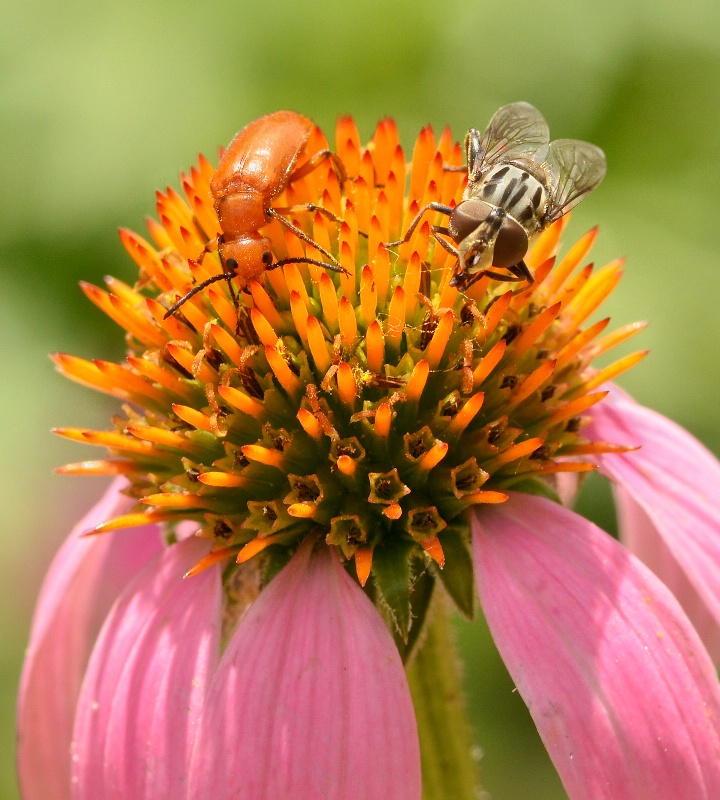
(466, 217)
(511, 244)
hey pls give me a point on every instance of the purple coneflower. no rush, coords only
(321, 459)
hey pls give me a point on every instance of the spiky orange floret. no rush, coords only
(375, 407)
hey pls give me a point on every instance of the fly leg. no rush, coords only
(463, 280)
(438, 207)
(522, 272)
(436, 230)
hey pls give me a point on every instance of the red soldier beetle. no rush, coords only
(257, 166)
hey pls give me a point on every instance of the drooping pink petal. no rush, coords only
(84, 580)
(676, 483)
(566, 485)
(310, 699)
(619, 685)
(641, 536)
(146, 682)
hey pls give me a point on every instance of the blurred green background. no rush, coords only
(101, 103)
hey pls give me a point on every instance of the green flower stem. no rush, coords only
(448, 767)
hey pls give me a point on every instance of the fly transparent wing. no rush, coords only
(575, 169)
(515, 131)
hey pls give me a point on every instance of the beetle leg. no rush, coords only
(210, 247)
(231, 266)
(439, 207)
(311, 207)
(271, 212)
(315, 161)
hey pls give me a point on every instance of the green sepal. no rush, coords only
(209, 445)
(535, 486)
(275, 558)
(276, 406)
(421, 594)
(391, 570)
(457, 575)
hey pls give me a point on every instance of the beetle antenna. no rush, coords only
(305, 260)
(223, 276)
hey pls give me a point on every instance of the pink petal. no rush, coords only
(615, 677)
(146, 682)
(84, 579)
(310, 700)
(566, 484)
(676, 483)
(641, 537)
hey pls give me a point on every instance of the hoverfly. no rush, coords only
(519, 182)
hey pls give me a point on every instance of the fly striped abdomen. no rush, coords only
(517, 192)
